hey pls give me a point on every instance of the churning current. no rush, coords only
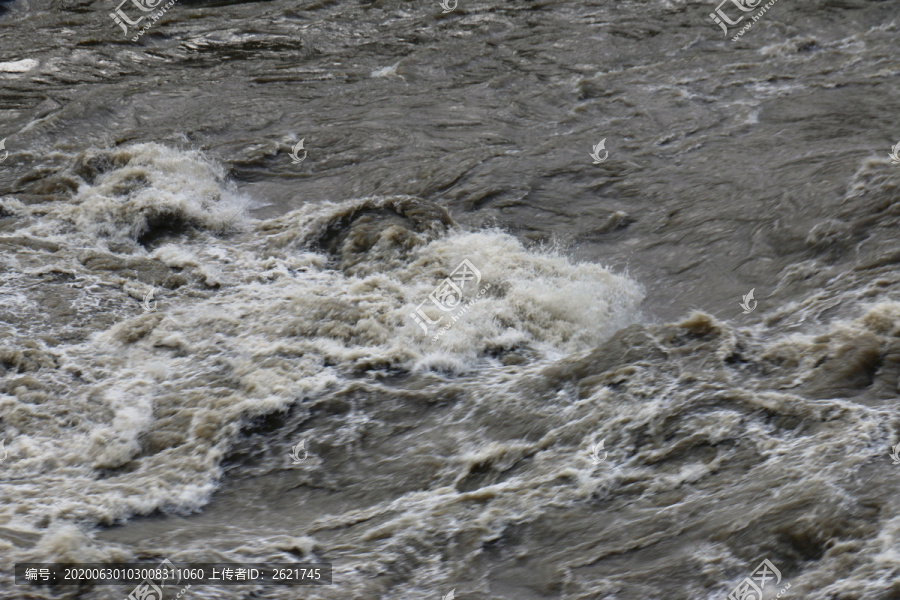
(470, 299)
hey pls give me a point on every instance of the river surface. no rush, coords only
(438, 344)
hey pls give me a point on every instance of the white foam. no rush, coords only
(160, 397)
(152, 182)
(19, 66)
(386, 71)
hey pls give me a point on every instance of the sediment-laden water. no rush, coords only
(441, 347)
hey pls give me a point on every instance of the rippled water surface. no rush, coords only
(667, 365)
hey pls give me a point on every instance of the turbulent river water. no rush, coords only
(438, 344)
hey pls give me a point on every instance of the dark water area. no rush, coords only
(569, 300)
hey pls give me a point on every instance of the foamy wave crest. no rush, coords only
(537, 300)
(148, 393)
(383, 258)
(387, 255)
(134, 191)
